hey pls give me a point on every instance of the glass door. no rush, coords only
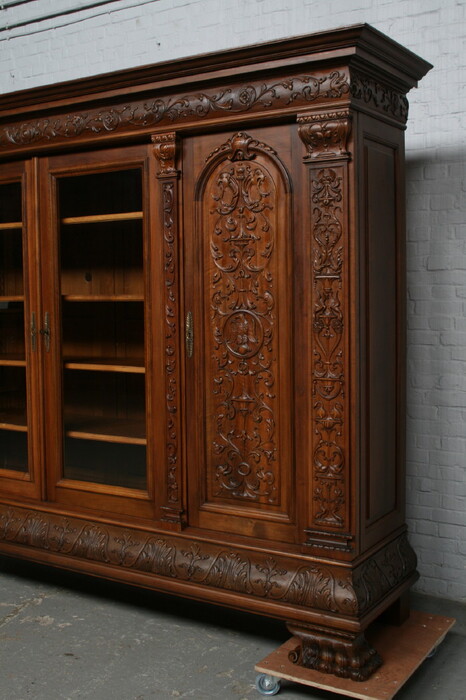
(18, 337)
(100, 317)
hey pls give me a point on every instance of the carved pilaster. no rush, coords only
(165, 152)
(325, 136)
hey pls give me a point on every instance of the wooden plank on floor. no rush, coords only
(403, 649)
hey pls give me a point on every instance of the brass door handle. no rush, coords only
(33, 332)
(45, 331)
(189, 334)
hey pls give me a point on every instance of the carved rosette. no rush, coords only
(241, 195)
(325, 136)
(165, 152)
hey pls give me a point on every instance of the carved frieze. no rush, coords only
(257, 574)
(376, 577)
(145, 114)
(379, 96)
(278, 578)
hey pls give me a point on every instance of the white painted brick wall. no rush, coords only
(125, 33)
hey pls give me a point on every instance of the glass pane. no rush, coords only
(13, 397)
(10, 204)
(12, 331)
(101, 193)
(102, 287)
(105, 428)
(106, 463)
(13, 451)
(102, 258)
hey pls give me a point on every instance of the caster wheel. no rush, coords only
(267, 685)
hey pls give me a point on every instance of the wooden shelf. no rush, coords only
(115, 364)
(11, 225)
(102, 297)
(7, 297)
(102, 218)
(13, 421)
(12, 361)
(105, 429)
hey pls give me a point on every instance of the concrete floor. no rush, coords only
(64, 636)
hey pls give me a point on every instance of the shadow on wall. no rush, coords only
(436, 431)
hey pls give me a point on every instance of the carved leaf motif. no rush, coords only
(242, 315)
(270, 572)
(92, 543)
(34, 531)
(230, 571)
(7, 522)
(157, 556)
(194, 556)
(313, 587)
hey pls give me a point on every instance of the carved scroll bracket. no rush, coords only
(165, 151)
(325, 135)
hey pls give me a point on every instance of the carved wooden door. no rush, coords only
(240, 465)
(20, 347)
(100, 304)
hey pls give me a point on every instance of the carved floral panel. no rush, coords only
(328, 376)
(241, 223)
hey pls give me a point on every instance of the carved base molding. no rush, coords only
(344, 654)
(280, 580)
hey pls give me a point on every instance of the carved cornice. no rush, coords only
(165, 147)
(255, 96)
(379, 96)
(325, 135)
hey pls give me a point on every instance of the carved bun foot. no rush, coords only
(343, 654)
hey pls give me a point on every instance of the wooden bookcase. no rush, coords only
(202, 332)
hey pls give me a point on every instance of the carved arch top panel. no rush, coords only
(245, 237)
